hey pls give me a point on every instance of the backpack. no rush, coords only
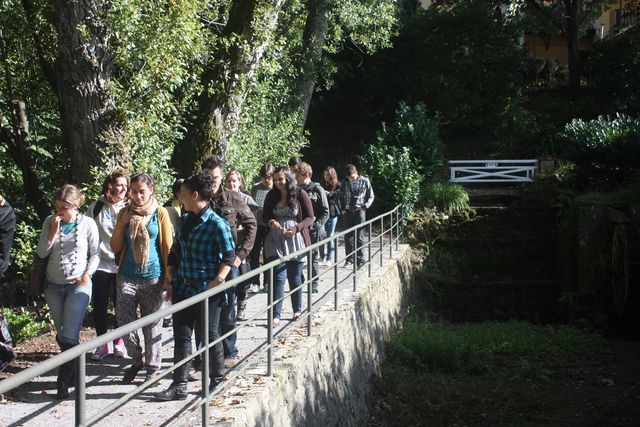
(7, 353)
(97, 208)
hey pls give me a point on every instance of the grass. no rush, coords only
(490, 373)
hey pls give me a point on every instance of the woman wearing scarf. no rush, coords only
(142, 238)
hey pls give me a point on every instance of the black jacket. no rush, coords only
(230, 206)
(7, 230)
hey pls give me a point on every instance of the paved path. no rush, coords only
(33, 403)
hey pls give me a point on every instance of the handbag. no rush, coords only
(37, 277)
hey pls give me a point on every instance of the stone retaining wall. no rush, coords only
(324, 379)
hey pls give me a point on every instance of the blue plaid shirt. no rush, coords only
(201, 253)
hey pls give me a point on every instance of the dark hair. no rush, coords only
(266, 171)
(212, 162)
(350, 169)
(333, 182)
(201, 183)
(144, 178)
(175, 187)
(294, 161)
(111, 179)
(291, 187)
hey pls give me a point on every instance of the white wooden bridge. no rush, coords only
(492, 171)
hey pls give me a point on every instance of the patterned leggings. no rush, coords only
(147, 294)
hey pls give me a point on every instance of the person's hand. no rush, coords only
(215, 282)
(275, 225)
(167, 292)
(83, 280)
(237, 262)
(290, 232)
(54, 227)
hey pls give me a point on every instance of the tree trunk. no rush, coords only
(16, 137)
(227, 81)
(572, 8)
(83, 71)
(313, 40)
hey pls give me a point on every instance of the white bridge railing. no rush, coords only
(470, 171)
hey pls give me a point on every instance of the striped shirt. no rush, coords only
(199, 250)
(356, 194)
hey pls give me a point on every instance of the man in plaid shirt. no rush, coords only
(357, 197)
(201, 258)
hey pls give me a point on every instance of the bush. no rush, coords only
(23, 323)
(452, 199)
(394, 175)
(414, 129)
(613, 67)
(607, 148)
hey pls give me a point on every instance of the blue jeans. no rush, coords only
(291, 271)
(67, 305)
(228, 319)
(330, 230)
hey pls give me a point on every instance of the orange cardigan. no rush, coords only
(165, 236)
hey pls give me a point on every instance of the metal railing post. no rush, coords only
(369, 250)
(381, 238)
(391, 235)
(204, 327)
(354, 257)
(80, 392)
(398, 220)
(335, 279)
(309, 290)
(270, 325)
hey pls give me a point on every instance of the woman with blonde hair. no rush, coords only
(143, 237)
(70, 240)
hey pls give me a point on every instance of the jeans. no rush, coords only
(228, 319)
(104, 287)
(316, 236)
(330, 230)
(254, 256)
(67, 305)
(188, 320)
(291, 271)
(352, 219)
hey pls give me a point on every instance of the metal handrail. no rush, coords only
(77, 353)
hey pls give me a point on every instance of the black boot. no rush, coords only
(217, 369)
(178, 388)
(65, 374)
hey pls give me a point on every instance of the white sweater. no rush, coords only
(86, 251)
(106, 222)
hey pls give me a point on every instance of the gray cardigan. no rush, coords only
(86, 252)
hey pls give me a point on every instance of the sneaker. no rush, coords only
(119, 350)
(276, 321)
(348, 263)
(296, 315)
(328, 263)
(228, 363)
(255, 288)
(314, 288)
(100, 352)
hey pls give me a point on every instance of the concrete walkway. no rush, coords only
(33, 403)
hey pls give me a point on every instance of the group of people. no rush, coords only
(129, 249)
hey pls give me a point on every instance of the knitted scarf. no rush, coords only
(138, 231)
